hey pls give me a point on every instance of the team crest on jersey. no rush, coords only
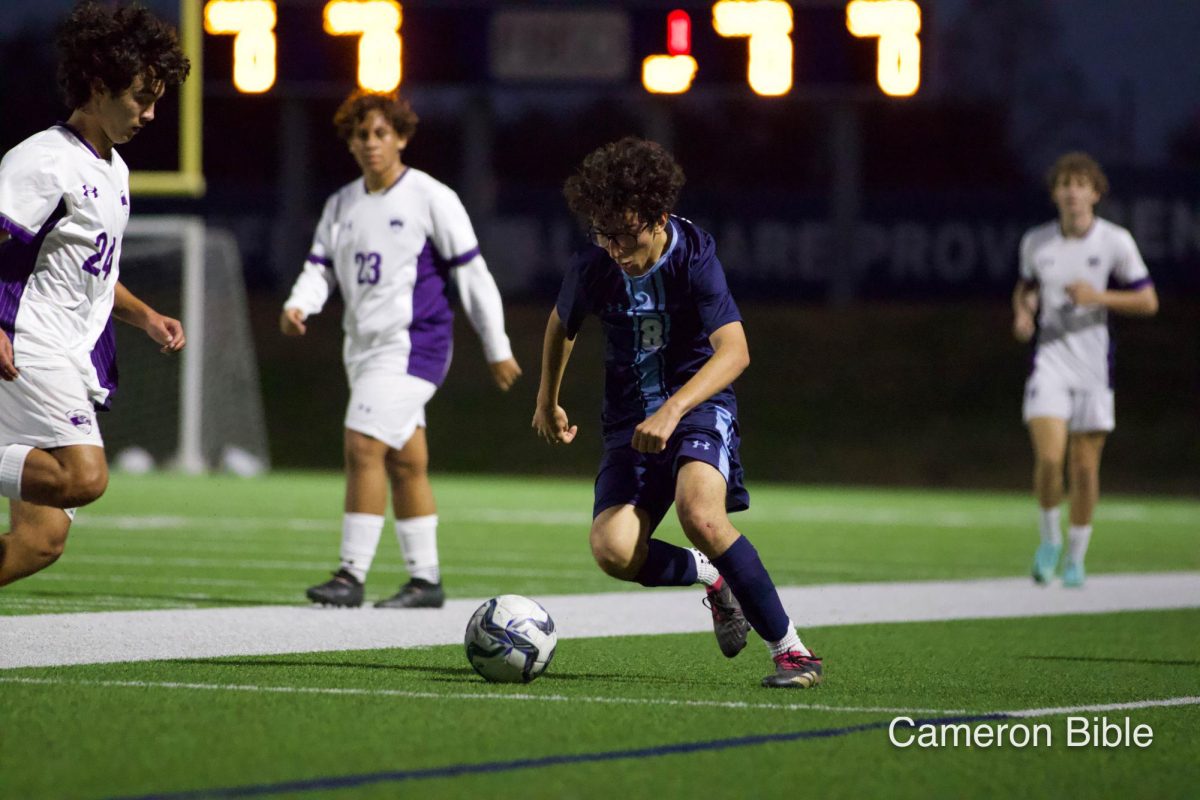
(81, 419)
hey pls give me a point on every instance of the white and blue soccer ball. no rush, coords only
(510, 639)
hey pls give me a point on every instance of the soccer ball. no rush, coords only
(510, 639)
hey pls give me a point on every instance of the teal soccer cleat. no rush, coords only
(1073, 574)
(1045, 561)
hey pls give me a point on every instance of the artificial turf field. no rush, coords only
(663, 716)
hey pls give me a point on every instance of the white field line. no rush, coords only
(1168, 702)
(117, 636)
(549, 698)
(581, 519)
(1092, 709)
(226, 563)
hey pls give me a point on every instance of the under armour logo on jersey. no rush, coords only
(397, 224)
(124, 199)
(90, 190)
(699, 445)
(1094, 261)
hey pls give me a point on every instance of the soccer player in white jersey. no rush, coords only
(392, 241)
(1074, 270)
(64, 204)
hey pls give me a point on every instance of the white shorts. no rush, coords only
(1085, 410)
(47, 407)
(387, 405)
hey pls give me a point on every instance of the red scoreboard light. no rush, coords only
(672, 73)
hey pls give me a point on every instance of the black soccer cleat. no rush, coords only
(794, 670)
(343, 590)
(729, 623)
(417, 593)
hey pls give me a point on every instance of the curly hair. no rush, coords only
(628, 175)
(114, 46)
(355, 108)
(1078, 163)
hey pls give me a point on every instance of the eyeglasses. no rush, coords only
(624, 242)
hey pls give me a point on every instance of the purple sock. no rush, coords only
(742, 569)
(667, 565)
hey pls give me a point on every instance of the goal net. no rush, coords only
(202, 409)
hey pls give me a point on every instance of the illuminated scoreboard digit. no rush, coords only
(769, 46)
(377, 24)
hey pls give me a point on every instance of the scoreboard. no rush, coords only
(766, 48)
(766, 45)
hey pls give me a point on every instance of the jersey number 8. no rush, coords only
(652, 333)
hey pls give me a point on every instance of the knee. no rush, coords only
(50, 549)
(697, 524)
(1086, 473)
(83, 484)
(361, 453)
(40, 545)
(405, 468)
(1050, 464)
(616, 561)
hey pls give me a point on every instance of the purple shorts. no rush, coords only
(647, 480)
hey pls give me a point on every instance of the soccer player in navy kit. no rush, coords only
(674, 345)
(64, 205)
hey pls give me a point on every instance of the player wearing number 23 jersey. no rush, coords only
(392, 241)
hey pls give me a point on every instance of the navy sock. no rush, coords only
(667, 565)
(742, 569)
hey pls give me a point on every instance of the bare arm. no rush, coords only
(1024, 306)
(1141, 302)
(731, 356)
(166, 331)
(549, 419)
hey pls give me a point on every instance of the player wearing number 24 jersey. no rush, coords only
(64, 205)
(392, 241)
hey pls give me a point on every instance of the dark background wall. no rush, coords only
(924, 394)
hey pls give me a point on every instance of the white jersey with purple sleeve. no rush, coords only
(392, 254)
(65, 209)
(656, 326)
(1074, 342)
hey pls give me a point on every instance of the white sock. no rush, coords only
(1050, 526)
(706, 573)
(12, 464)
(418, 544)
(360, 540)
(1078, 537)
(791, 641)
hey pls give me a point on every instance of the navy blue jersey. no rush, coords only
(656, 326)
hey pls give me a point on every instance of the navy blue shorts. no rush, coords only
(647, 480)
